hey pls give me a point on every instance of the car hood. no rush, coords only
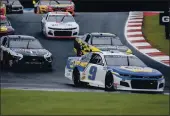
(109, 47)
(134, 70)
(30, 52)
(62, 25)
(60, 5)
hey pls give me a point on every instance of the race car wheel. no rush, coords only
(76, 78)
(109, 80)
(11, 65)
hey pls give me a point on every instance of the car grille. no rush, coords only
(149, 77)
(144, 84)
(146, 77)
(59, 9)
(62, 33)
(62, 29)
(33, 59)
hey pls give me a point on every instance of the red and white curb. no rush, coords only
(135, 37)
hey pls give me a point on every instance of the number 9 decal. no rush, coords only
(92, 73)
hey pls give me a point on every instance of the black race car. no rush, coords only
(13, 6)
(20, 51)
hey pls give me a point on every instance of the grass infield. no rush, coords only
(20, 102)
(155, 33)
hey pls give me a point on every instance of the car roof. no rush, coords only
(114, 53)
(26, 37)
(102, 34)
(59, 13)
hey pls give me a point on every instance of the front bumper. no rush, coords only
(17, 11)
(62, 33)
(33, 62)
(149, 85)
(7, 33)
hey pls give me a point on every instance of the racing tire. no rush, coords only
(76, 78)
(109, 80)
(35, 10)
(12, 66)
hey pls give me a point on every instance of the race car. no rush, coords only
(45, 6)
(5, 26)
(98, 42)
(13, 6)
(22, 51)
(2, 9)
(59, 25)
(114, 71)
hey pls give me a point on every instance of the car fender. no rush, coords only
(70, 65)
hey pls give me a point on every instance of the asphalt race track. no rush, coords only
(29, 24)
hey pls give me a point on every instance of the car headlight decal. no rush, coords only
(129, 51)
(48, 57)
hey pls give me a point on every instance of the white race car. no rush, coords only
(59, 25)
(114, 71)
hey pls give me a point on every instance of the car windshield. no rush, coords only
(48, 2)
(4, 22)
(119, 60)
(25, 44)
(64, 1)
(60, 18)
(16, 2)
(106, 40)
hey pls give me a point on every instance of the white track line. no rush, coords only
(160, 58)
(135, 38)
(134, 33)
(129, 28)
(151, 50)
(141, 44)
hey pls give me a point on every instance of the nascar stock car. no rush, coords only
(99, 42)
(2, 9)
(59, 25)
(114, 71)
(5, 26)
(13, 6)
(44, 6)
(20, 51)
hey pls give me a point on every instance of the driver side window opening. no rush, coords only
(96, 59)
(87, 38)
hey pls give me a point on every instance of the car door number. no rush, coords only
(92, 73)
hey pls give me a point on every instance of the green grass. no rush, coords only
(155, 33)
(21, 102)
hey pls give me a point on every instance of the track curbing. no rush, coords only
(134, 36)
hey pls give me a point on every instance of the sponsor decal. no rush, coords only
(136, 69)
(3, 28)
(164, 18)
